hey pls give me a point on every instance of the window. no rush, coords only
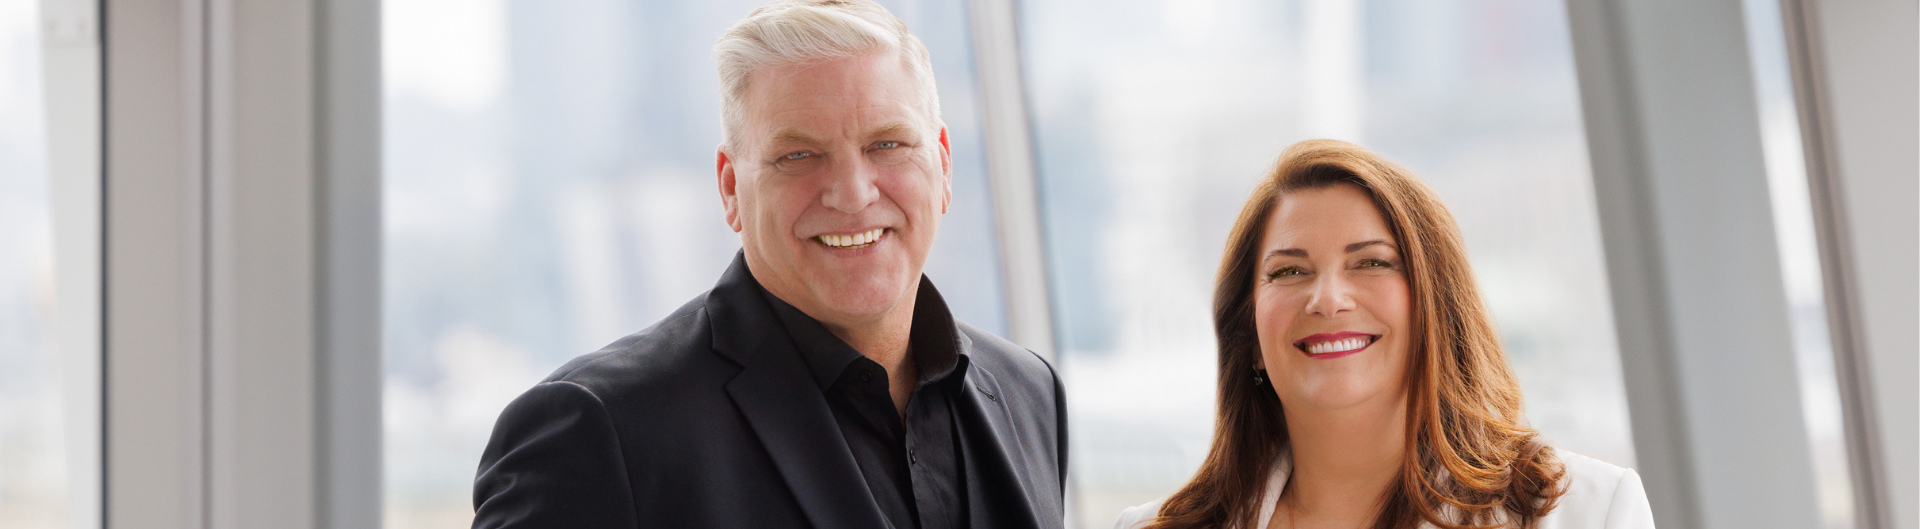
(34, 489)
(1154, 119)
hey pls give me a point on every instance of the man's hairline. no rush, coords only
(929, 94)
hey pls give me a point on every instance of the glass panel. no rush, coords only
(550, 188)
(33, 456)
(1800, 261)
(1153, 119)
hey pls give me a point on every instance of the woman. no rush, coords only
(1361, 381)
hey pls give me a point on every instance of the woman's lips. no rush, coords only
(1327, 346)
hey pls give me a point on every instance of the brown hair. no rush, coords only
(1472, 461)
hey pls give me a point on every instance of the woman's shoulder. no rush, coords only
(1138, 515)
(1599, 495)
(1592, 471)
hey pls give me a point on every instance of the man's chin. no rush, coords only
(861, 296)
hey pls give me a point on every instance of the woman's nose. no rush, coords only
(1331, 296)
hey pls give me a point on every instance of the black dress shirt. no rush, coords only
(912, 465)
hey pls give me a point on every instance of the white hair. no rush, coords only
(785, 32)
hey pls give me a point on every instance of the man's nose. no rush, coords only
(1332, 295)
(851, 185)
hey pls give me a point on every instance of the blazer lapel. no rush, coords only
(1000, 491)
(786, 408)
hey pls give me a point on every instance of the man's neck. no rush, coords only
(883, 338)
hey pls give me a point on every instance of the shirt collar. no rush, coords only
(934, 341)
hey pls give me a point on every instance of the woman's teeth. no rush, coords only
(857, 240)
(1337, 346)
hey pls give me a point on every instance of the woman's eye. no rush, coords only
(1285, 271)
(1375, 263)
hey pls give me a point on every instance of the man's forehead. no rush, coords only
(861, 76)
(850, 96)
(885, 62)
(862, 105)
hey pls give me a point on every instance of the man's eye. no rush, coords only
(886, 145)
(802, 155)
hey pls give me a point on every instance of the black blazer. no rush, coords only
(710, 418)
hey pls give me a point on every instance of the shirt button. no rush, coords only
(866, 376)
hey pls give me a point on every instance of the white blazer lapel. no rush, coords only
(1276, 484)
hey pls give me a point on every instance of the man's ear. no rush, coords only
(946, 172)
(729, 191)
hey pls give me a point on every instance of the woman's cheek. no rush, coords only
(1273, 318)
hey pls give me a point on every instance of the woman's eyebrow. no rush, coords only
(1352, 248)
(1295, 252)
(1355, 247)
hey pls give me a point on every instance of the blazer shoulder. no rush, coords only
(1003, 355)
(1599, 495)
(553, 460)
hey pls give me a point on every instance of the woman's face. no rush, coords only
(1330, 302)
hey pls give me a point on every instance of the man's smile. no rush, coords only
(852, 240)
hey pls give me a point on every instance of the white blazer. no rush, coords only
(1599, 496)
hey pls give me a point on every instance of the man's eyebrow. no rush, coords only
(1355, 247)
(890, 129)
(791, 136)
(796, 137)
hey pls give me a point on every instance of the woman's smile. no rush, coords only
(1328, 346)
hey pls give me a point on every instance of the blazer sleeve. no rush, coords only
(1629, 508)
(554, 460)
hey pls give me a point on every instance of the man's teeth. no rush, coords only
(852, 241)
(1337, 346)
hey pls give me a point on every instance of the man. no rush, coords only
(823, 382)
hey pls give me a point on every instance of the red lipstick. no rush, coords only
(1328, 346)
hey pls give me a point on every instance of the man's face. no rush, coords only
(836, 182)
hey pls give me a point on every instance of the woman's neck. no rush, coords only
(1343, 462)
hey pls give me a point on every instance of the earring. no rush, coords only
(1259, 377)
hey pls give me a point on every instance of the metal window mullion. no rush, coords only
(72, 66)
(1873, 423)
(1837, 285)
(153, 259)
(1680, 182)
(349, 203)
(241, 264)
(1010, 170)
